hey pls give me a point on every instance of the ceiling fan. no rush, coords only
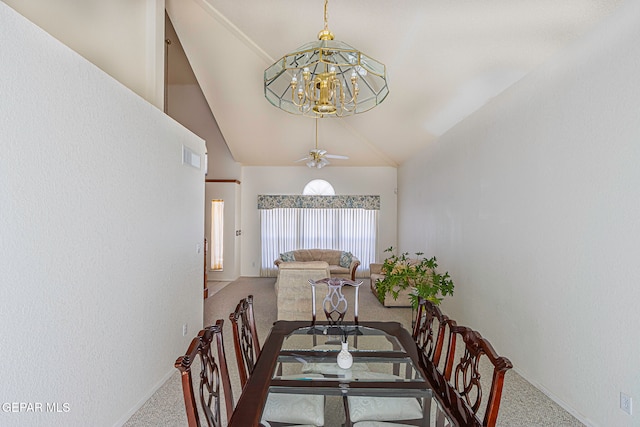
(317, 158)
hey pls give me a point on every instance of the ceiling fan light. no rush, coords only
(317, 157)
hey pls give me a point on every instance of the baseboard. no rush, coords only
(556, 399)
(215, 286)
(144, 399)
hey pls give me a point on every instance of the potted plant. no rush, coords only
(401, 272)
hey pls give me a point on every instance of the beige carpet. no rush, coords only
(215, 286)
(522, 404)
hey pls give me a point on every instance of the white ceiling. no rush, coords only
(444, 60)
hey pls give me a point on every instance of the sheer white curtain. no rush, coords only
(287, 229)
(217, 234)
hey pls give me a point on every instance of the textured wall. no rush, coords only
(124, 38)
(532, 205)
(99, 223)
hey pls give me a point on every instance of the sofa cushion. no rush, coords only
(330, 256)
(345, 259)
(336, 269)
(287, 256)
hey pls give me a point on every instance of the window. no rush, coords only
(318, 187)
(348, 223)
(217, 234)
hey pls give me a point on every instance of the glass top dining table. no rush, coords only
(299, 359)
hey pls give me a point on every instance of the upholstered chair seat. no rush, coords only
(378, 409)
(380, 424)
(384, 409)
(294, 408)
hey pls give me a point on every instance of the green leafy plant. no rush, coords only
(419, 273)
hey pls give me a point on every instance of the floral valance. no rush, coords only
(318, 202)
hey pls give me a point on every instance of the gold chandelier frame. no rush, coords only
(326, 78)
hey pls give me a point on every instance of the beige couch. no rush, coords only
(330, 256)
(293, 291)
(403, 297)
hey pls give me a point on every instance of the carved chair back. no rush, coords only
(335, 303)
(429, 330)
(212, 374)
(245, 338)
(465, 393)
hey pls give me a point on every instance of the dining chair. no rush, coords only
(466, 377)
(335, 303)
(212, 374)
(245, 338)
(335, 306)
(429, 329)
(431, 332)
(361, 410)
(309, 409)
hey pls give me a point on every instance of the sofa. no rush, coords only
(293, 291)
(341, 264)
(403, 296)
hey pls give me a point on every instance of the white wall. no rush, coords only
(187, 104)
(122, 37)
(291, 180)
(99, 223)
(533, 206)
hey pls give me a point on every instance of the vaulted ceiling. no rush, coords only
(445, 59)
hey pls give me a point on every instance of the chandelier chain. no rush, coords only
(326, 19)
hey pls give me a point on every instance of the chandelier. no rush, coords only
(326, 78)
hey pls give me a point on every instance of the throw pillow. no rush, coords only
(345, 259)
(287, 256)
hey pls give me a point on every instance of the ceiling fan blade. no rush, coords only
(303, 159)
(336, 156)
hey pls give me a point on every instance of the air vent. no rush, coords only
(190, 158)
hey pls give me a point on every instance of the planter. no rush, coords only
(409, 279)
(388, 301)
